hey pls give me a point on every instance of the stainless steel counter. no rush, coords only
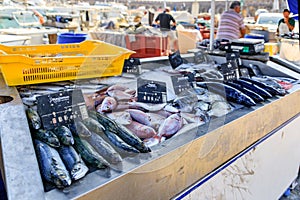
(171, 167)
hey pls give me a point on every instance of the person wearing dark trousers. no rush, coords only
(164, 20)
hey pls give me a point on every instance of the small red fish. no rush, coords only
(108, 105)
(140, 130)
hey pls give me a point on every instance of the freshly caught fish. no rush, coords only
(30, 101)
(33, 119)
(120, 95)
(51, 166)
(89, 155)
(202, 114)
(47, 137)
(204, 106)
(104, 149)
(64, 135)
(93, 125)
(140, 116)
(108, 105)
(73, 162)
(192, 118)
(118, 142)
(260, 91)
(185, 103)
(98, 99)
(132, 92)
(117, 87)
(219, 108)
(150, 142)
(148, 106)
(79, 129)
(171, 109)
(272, 90)
(256, 97)
(121, 117)
(229, 92)
(170, 126)
(123, 133)
(141, 130)
(267, 80)
(156, 120)
(185, 100)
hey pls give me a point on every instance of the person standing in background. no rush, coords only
(164, 20)
(286, 24)
(231, 25)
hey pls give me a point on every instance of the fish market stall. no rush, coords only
(178, 148)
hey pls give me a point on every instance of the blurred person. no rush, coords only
(231, 25)
(286, 24)
(164, 20)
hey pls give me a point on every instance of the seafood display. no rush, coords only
(119, 127)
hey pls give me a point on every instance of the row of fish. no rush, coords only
(119, 126)
(67, 152)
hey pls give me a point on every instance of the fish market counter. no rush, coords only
(171, 166)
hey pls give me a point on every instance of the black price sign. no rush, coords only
(180, 83)
(151, 91)
(132, 66)
(61, 108)
(229, 71)
(234, 57)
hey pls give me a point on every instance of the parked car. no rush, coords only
(269, 20)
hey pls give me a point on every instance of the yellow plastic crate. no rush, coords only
(86, 47)
(102, 60)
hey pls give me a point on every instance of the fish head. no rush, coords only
(68, 140)
(54, 141)
(79, 170)
(36, 123)
(61, 178)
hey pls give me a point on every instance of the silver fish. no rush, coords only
(192, 118)
(64, 135)
(104, 149)
(51, 166)
(148, 106)
(219, 108)
(73, 162)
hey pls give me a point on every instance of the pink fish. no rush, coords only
(170, 126)
(120, 95)
(140, 116)
(117, 87)
(140, 130)
(156, 120)
(108, 105)
(123, 117)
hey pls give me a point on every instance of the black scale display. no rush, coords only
(61, 108)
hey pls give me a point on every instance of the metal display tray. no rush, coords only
(171, 167)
